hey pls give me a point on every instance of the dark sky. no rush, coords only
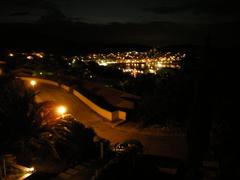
(106, 11)
(187, 16)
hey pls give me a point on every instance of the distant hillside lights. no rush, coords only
(29, 57)
(36, 54)
(135, 63)
(39, 55)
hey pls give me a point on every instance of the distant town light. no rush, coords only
(29, 57)
(152, 71)
(11, 54)
(39, 55)
(102, 64)
(159, 65)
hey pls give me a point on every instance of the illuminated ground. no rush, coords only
(173, 146)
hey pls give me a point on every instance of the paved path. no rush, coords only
(172, 146)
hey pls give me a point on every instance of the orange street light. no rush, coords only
(61, 110)
(33, 83)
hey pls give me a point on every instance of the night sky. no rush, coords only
(171, 21)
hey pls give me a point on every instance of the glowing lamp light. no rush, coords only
(33, 82)
(29, 57)
(61, 110)
(31, 169)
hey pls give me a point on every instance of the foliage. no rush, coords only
(165, 97)
(25, 132)
(53, 139)
(16, 112)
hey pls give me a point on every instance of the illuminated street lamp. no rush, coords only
(61, 110)
(33, 83)
(11, 54)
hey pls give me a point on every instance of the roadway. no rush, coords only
(171, 146)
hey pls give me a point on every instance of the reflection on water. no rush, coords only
(143, 68)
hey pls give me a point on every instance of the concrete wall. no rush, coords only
(111, 116)
(65, 87)
(122, 115)
(39, 80)
(96, 108)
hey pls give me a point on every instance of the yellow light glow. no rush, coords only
(29, 57)
(33, 82)
(61, 110)
(31, 169)
(11, 54)
(25, 176)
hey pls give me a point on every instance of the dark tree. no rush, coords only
(16, 112)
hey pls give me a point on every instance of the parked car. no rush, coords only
(131, 145)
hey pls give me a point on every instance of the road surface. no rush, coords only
(171, 146)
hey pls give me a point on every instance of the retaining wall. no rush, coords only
(111, 116)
